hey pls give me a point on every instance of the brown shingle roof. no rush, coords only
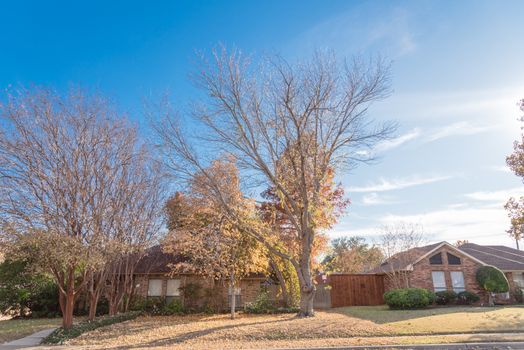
(157, 261)
(502, 257)
(402, 260)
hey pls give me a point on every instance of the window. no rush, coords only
(453, 260)
(237, 291)
(154, 288)
(173, 288)
(238, 298)
(436, 259)
(439, 281)
(518, 278)
(457, 281)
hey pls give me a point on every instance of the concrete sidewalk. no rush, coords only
(30, 341)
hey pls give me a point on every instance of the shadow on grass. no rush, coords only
(167, 341)
(383, 315)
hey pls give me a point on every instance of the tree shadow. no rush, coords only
(384, 315)
(167, 341)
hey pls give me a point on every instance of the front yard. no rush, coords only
(18, 328)
(343, 326)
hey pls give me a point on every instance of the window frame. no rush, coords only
(448, 255)
(149, 287)
(456, 288)
(177, 291)
(439, 288)
(436, 263)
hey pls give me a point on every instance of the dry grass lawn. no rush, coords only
(19, 328)
(443, 320)
(345, 326)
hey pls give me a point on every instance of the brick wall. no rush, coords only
(421, 276)
(250, 287)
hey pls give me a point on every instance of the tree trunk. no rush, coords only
(307, 297)
(93, 302)
(305, 277)
(233, 296)
(307, 287)
(67, 317)
(281, 280)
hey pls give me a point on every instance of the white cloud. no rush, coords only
(484, 225)
(398, 141)
(499, 196)
(397, 184)
(377, 199)
(391, 32)
(501, 168)
(462, 128)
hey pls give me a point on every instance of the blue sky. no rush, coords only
(458, 72)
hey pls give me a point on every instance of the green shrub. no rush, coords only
(60, 335)
(137, 303)
(467, 298)
(24, 293)
(155, 305)
(445, 297)
(492, 279)
(261, 305)
(175, 307)
(409, 298)
(518, 294)
(192, 295)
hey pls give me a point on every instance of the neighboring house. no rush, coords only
(153, 279)
(442, 266)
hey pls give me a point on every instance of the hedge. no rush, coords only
(409, 298)
(60, 335)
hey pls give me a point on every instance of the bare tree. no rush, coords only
(399, 242)
(287, 125)
(62, 161)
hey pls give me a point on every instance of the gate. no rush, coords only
(356, 289)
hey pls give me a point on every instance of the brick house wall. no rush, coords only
(421, 275)
(249, 288)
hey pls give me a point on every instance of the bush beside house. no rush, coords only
(409, 298)
(467, 298)
(492, 280)
(445, 297)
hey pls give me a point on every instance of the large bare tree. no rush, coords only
(64, 162)
(287, 125)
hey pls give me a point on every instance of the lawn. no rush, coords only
(338, 327)
(442, 320)
(13, 329)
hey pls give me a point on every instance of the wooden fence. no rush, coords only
(356, 289)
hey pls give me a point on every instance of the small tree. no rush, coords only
(398, 242)
(492, 280)
(351, 255)
(514, 206)
(202, 232)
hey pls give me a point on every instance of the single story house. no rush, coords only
(154, 279)
(442, 266)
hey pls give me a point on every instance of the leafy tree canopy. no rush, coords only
(492, 279)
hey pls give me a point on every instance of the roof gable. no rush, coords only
(451, 247)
